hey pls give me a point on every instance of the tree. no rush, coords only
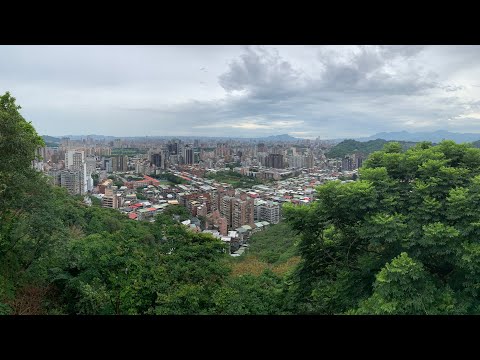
(96, 201)
(401, 239)
(18, 144)
(203, 220)
(140, 196)
(404, 287)
(121, 273)
(250, 295)
(177, 211)
(95, 178)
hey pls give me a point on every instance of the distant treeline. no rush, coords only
(170, 177)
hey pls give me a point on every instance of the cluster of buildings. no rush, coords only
(75, 174)
(127, 172)
(352, 162)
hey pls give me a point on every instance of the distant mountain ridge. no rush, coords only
(433, 136)
(51, 140)
(350, 146)
(282, 137)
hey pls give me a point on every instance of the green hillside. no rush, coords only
(274, 245)
(365, 148)
(51, 141)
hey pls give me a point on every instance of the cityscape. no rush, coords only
(231, 189)
(239, 180)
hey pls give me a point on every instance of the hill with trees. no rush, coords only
(365, 148)
(433, 136)
(59, 256)
(476, 144)
(51, 141)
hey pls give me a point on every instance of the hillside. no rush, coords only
(51, 141)
(283, 137)
(350, 146)
(476, 144)
(274, 248)
(433, 136)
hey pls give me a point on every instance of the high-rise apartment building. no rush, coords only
(107, 165)
(358, 161)
(238, 213)
(76, 160)
(119, 163)
(217, 222)
(188, 155)
(347, 163)
(72, 181)
(222, 150)
(262, 158)
(297, 161)
(270, 211)
(309, 161)
(250, 211)
(173, 148)
(158, 159)
(275, 161)
(261, 148)
(110, 200)
(226, 209)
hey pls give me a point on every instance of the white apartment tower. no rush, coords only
(268, 211)
(75, 160)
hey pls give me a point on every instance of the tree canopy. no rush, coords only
(403, 239)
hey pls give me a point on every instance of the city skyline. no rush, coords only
(244, 91)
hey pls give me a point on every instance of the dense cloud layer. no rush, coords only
(306, 91)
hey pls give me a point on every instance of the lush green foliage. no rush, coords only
(401, 240)
(350, 146)
(170, 177)
(251, 295)
(136, 271)
(140, 196)
(274, 245)
(176, 212)
(476, 144)
(95, 178)
(233, 165)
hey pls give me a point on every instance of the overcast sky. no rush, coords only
(305, 91)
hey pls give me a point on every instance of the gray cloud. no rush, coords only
(262, 73)
(327, 91)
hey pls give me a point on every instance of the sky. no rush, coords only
(244, 91)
